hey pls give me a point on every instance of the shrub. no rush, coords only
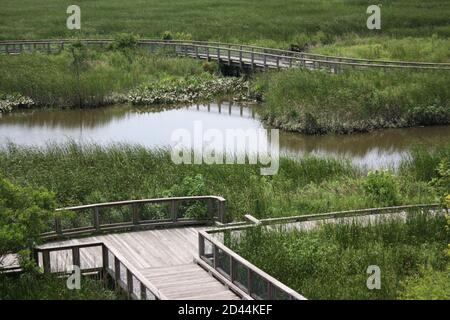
(382, 188)
(24, 213)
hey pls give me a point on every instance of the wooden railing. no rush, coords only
(250, 279)
(252, 56)
(61, 259)
(135, 215)
(241, 273)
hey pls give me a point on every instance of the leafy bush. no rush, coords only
(382, 188)
(24, 214)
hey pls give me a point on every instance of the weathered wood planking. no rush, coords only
(165, 257)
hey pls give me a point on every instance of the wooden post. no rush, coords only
(269, 291)
(265, 61)
(278, 62)
(46, 261)
(214, 256)
(249, 281)
(207, 53)
(253, 59)
(96, 219)
(105, 261)
(116, 270)
(210, 208)
(221, 211)
(143, 292)
(240, 56)
(173, 210)
(229, 56)
(76, 257)
(231, 269)
(58, 227)
(129, 283)
(135, 212)
(201, 245)
(196, 51)
(218, 55)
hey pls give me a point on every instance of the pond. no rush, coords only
(154, 127)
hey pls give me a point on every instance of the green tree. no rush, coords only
(24, 213)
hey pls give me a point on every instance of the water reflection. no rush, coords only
(153, 127)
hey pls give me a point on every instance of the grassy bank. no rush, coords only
(90, 78)
(330, 262)
(318, 102)
(89, 174)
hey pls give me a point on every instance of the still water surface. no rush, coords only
(153, 128)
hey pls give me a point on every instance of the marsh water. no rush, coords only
(154, 127)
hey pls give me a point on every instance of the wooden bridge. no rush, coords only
(156, 249)
(244, 56)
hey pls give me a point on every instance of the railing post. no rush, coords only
(253, 59)
(135, 211)
(76, 257)
(58, 227)
(129, 283)
(143, 292)
(214, 256)
(174, 210)
(105, 261)
(229, 56)
(201, 245)
(210, 209)
(231, 269)
(46, 261)
(269, 291)
(249, 281)
(207, 53)
(196, 51)
(96, 219)
(265, 61)
(221, 211)
(278, 62)
(240, 55)
(218, 55)
(116, 269)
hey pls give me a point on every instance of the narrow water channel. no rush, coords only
(153, 128)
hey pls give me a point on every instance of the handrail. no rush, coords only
(214, 210)
(272, 288)
(322, 216)
(126, 284)
(290, 56)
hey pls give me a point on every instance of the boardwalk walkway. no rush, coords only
(244, 56)
(165, 257)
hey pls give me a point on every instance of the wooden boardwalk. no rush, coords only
(232, 54)
(165, 257)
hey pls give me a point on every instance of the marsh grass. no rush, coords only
(36, 286)
(330, 262)
(50, 80)
(274, 23)
(318, 102)
(81, 174)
